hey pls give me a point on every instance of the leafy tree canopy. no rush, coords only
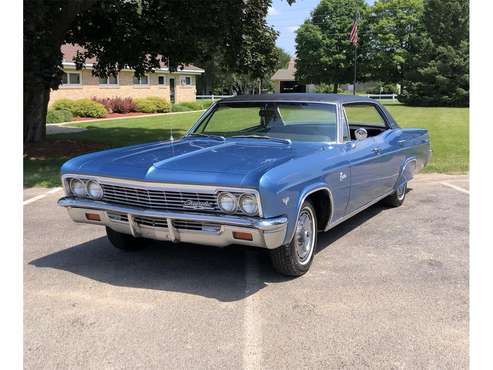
(135, 34)
(391, 24)
(324, 52)
(438, 71)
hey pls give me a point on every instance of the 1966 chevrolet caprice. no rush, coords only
(267, 171)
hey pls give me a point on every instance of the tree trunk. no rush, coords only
(336, 88)
(35, 108)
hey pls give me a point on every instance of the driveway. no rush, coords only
(388, 289)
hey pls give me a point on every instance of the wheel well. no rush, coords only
(320, 200)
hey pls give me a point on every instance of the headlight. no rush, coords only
(248, 204)
(77, 188)
(227, 202)
(94, 190)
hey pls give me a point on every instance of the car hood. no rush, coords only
(232, 162)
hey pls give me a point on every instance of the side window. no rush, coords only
(364, 114)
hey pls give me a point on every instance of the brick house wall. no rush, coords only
(90, 87)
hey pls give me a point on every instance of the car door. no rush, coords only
(373, 166)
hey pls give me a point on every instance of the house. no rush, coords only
(284, 80)
(176, 87)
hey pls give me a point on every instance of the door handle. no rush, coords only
(401, 142)
(376, 150)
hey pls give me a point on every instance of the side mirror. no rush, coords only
(360, 134)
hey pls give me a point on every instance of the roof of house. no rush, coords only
(286, 74)
(69, 51)
(299, 97)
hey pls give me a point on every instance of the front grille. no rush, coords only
(163, 223)
(160, 199)
(151, 221)
(197, 226)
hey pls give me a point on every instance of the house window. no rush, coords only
(71, 78)
(110, 80)
(186, 81)
(144, 80)
(161, 80)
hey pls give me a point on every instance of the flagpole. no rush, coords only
(354, 77)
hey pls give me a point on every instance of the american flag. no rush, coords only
(353, 36)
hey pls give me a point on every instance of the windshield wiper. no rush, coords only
(265, 137)
(217, 137)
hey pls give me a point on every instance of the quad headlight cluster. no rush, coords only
(238, 203)
(85, 188)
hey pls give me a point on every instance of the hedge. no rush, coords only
(81, 107)
(152, 104)
(59, 115)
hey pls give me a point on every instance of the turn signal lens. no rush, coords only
(93, 217)
(242, 236)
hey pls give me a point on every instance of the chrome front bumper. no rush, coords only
(218, 229)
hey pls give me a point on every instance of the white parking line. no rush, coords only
(252, 322)
(458, 188)
(41, 196)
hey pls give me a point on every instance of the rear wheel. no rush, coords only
(397, 197)
(125, 242)
(295, 258)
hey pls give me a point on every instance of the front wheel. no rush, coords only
(397, 197)
(295, 258)
(125, 242)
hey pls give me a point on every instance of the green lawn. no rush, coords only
(448, 127)
(449, 134)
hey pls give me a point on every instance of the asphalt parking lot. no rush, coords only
(388, 289)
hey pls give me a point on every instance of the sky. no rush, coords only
(286, 19)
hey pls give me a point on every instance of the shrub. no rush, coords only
(81, 107)
(59, 115)
(193, 105)
(384, 89)
(198, 105)
(117, 104)
(181, 108)
(105, 101)
(152, 104)
(89, 108)
(66, 104)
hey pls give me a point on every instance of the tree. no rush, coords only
(438, 71)
(323, 50)
(391, 24)
(283, 59)
(137, 34)
(219, 79)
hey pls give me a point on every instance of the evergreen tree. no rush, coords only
(438, 71)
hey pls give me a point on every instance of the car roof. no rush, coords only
(304, 97)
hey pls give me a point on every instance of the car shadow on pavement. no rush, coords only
(226, 274)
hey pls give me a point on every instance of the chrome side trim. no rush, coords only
(351, 214)
(152, 185)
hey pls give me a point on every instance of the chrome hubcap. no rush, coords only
(304, 236)
(401, 191)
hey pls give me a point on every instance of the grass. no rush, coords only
(448, 128)
(449, 134)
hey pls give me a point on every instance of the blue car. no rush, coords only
(266, 171)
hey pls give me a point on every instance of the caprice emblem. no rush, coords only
(342, 176)
(196, 204)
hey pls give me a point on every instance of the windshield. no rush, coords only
(292, 121)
